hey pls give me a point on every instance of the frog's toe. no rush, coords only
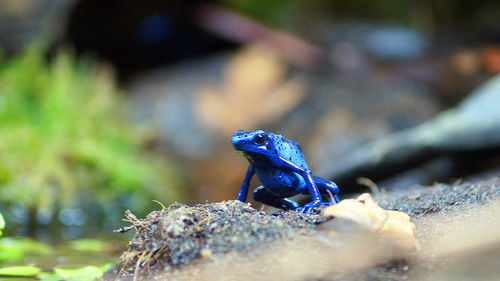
(304, 210)
(300, 210)
(307, 208)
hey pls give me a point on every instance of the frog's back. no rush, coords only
(290, 151)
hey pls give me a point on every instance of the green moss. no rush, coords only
(22, 270)
(64, 133)
(88, 244)
(77, 274)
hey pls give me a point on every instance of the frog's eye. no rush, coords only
(260, 139)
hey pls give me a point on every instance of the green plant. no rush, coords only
(64, 133)
(2, 224)
(274, 12)
(17, 248)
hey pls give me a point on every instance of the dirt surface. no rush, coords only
(178, 234)
(231, 240)
(418, 201)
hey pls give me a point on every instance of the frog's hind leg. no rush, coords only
(329, 188)
(262, 195)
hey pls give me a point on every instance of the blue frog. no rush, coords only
(282, 169)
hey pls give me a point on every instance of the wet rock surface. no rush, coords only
(231, 240)
(471, 127)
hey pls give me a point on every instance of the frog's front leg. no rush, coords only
(313, 191)
(242, 195)
(311, 185)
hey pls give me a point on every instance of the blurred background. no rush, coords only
(107, 105)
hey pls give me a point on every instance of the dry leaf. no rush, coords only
(254, 91)
(393, 225)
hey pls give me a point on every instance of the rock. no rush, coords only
(473, 126)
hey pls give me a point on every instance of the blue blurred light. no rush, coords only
(396, 43)
(73, 217)
(155, 28)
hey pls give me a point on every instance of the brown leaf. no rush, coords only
(393, 225)
(254, 91)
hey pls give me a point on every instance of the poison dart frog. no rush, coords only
(282, 169)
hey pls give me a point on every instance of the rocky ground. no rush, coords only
(231, 240)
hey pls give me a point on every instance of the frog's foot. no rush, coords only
(262, 195)
(331, 200)
(290, 204)
(307, 208)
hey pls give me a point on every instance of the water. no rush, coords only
(70, 254)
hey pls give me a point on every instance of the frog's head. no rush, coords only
(251, 143)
